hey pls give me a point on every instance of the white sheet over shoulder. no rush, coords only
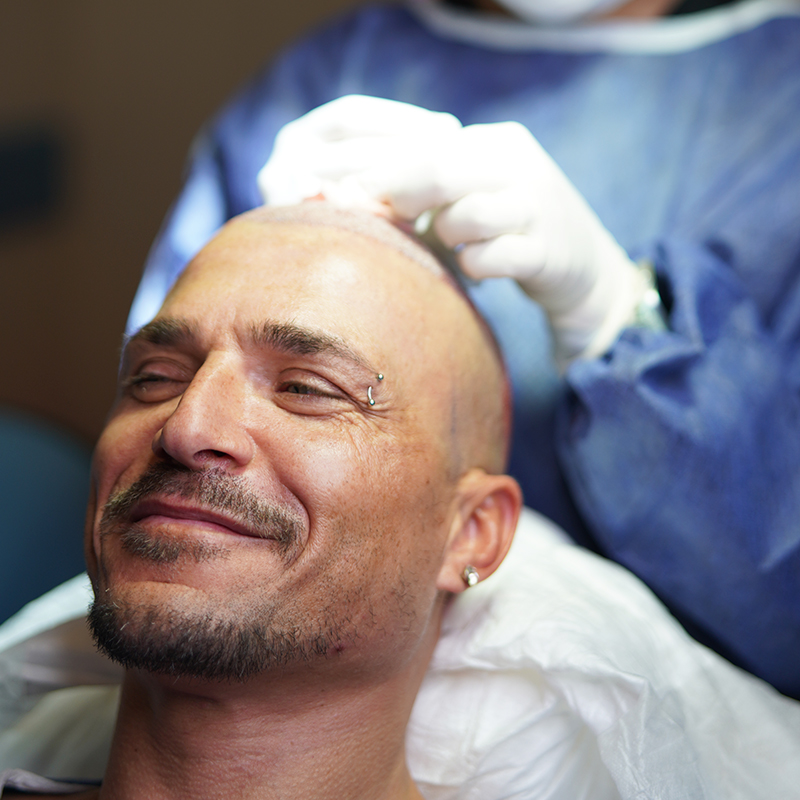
(561, 677)
(564, 667)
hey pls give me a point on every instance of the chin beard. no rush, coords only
(174, 643)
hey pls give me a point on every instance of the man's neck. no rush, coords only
(313, 740)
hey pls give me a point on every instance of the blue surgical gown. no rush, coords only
(678, 452)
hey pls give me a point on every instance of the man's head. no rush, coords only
(304, 456)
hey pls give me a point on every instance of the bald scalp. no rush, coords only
(480, 413)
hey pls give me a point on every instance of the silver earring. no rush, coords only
(470, 575)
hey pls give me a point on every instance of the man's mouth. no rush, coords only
(210, 499)
(158, 509)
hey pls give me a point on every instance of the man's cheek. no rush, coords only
(124, 449)
(338, 472)
(325, 469)
(121, 454)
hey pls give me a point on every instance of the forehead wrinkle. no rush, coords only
(289, 337)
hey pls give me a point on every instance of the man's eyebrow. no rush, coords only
(164, 332)
(290, 338)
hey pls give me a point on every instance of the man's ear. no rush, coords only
(482, 529)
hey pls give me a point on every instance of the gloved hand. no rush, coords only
(321, 152)
(497, 199)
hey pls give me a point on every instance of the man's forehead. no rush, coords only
(365, 224)
(312, 286)
(317, 256)
(255, 253)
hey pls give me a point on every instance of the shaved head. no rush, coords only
(363, 223)
(480, 411)
(305, 454)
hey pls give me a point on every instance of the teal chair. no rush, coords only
(44, 483)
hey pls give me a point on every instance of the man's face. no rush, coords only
(244, 486)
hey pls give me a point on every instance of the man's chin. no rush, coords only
(184, 638)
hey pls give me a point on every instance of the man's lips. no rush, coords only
(210, 500)
(179, 512)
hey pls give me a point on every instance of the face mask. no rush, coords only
(558, 12)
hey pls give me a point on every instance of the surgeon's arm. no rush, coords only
(682, 450)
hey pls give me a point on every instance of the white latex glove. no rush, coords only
(321, 152)
(499, 201)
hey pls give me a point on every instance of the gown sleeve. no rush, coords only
(682, 449)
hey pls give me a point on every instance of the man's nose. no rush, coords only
(208, 426)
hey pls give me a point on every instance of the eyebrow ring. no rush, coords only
(369, 391)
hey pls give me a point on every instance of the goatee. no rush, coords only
(213, 643)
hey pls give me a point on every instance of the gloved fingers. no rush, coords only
(428, 172)
(544, 274)
(510, 255)
(359, 116)
(299, 166)
(343, 138)
(283, 186)
(347, 157)
(380, 169)
(349, 193)
(413, 183)
(484, 215)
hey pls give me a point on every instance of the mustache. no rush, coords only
(213, 489)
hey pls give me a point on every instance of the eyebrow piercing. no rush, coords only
(369, 391)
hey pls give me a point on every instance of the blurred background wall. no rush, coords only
(111, 94)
